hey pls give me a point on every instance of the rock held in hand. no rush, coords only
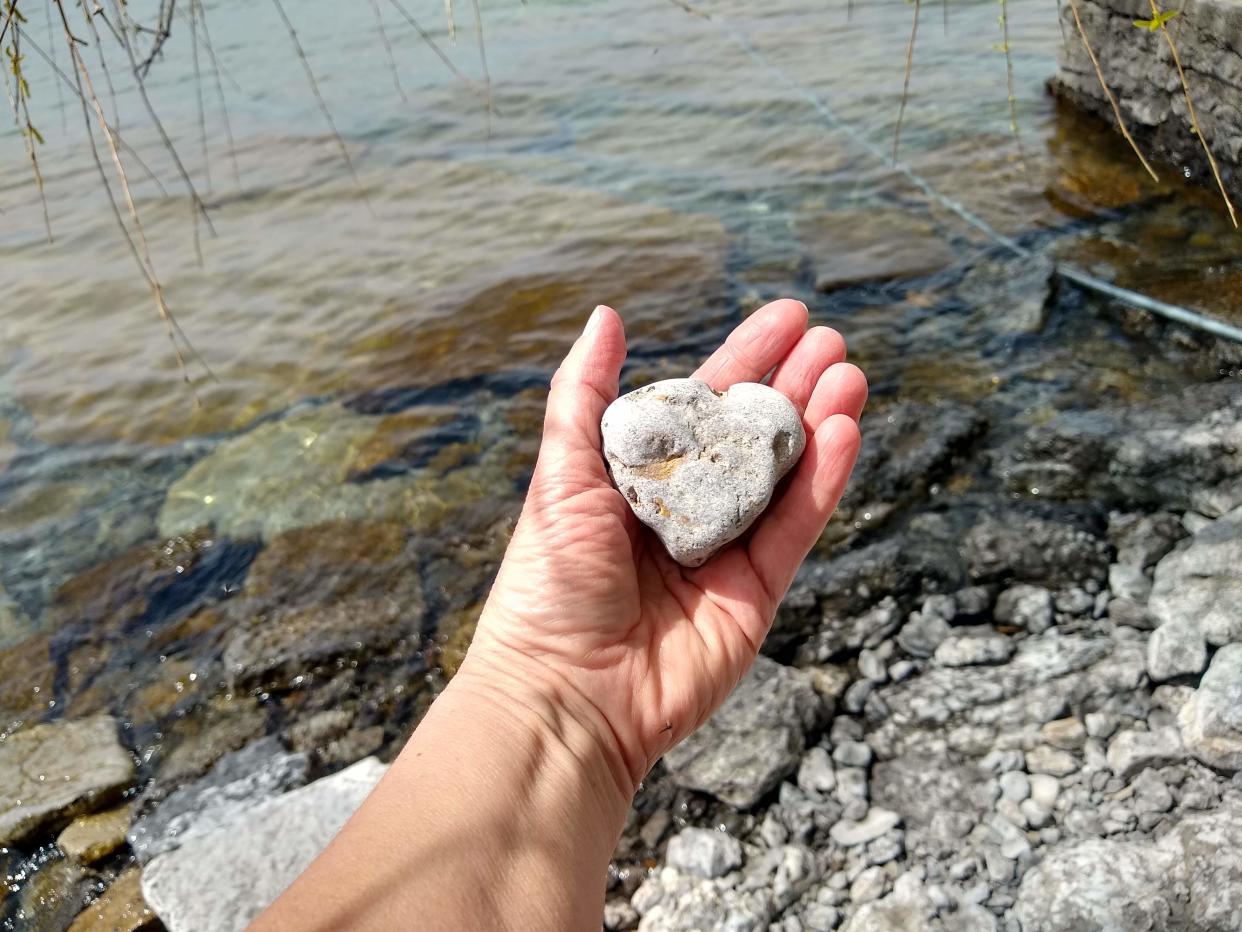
(697, 466)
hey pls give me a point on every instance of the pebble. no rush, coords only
(877, 822)
(852, 754)
(971, 651)
(1068, 734)
(1132, 750)
(869, 885)
(1025, 606)
(697, 466)
(703, 852)
(816, 773)
(1015, 785)
(1050, 760)
(1035, 814)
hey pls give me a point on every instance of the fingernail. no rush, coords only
(594, 320)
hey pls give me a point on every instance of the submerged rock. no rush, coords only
(90, 838)
(50, 773)
(699, 466)
(754, 740)
(121, 908)
(252, 860)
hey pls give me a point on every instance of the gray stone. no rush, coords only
(1130, 614)
(877, 822)
(220, 880)
(754, 740)
(1035, 815)
(1098, 885)
(1176, 648)
(1044, 789)
(239, 780)
(816, 773)
(1141, 540)
(1129, 582)
(1049, 760)
(704, 853)
(868, 886)
(1069, 734)
(1211, 721)
(922, 634)
(1014, 544)
(1201, 581)
(1025, 606)
(972, 651)
(51, 773)
(1074, 601)
(1132, 751)
(1015, 786)
(852, 754)
(698, 466)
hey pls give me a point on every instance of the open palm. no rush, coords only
(586, 596)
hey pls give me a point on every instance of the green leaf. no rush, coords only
(1151, 25)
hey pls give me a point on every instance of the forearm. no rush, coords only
(500, 813)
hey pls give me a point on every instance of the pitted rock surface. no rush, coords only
(697, 466)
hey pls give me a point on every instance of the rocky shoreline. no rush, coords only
(1005, 695)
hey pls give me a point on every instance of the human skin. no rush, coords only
(594, 655)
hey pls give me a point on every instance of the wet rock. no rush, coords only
(260, 771)
(294, 472)
(50, 773)
(89, 838)
(1142, 540)
(26, 682)
(255, 857)
(1211, 721)
(906, 447)
(754, 740)
(851, 247)
(1165, 455)
(1034, 549)
(1132, 751)
(53, 894)
(121, 908)
(1025, 606)
(14, 625)
(196, 742)
(697, 466)
(972, 651)
(838, 636)
(1201, 581)
(1176, 648)
(703, 853)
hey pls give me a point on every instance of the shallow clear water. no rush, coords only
(381, 338)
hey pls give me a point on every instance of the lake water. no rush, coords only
(381, 338)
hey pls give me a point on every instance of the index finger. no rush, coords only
(756, 345)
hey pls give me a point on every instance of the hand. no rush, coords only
(589, 607)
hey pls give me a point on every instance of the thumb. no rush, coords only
(583, 386)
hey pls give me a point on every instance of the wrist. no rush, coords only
(542, 710)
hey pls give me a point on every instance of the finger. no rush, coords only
(797, 374)
(583, 386)
(792, 524)
(755, 345)
(842, 389)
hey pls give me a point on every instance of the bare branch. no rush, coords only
(1099, 73)
(198, 93)
(905, 86)
(1013, 100)
(452, 25)
(487, 77)
(431, 44)
(217, 69)
(392, 61)
(314, 85)
(18, 96)
(1190, 107)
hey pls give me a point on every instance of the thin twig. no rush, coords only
(323, 106)
(431, 44)
(392, 61)
(452, 25)
(1013, 100)
(905, 86)
(1190, 107)
(197, 207)
(18, 99)
(10, 11)
(75, 87)
(103, 63)
(143, 257)
(60, 91)
(1099, 73)
(217, 70)
(487, 77)
(198, 93)
(690, 8)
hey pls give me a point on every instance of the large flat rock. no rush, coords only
(220, 880)
(51, 773)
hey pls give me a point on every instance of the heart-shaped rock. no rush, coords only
(699, 466)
